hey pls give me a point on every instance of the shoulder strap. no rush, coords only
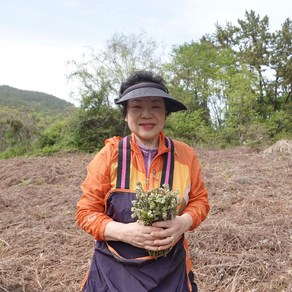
(124, 160)
(168, 164)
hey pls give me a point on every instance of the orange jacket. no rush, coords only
(101, 180)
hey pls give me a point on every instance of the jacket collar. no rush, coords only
(161, 144)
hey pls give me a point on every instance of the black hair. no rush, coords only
(138, 77)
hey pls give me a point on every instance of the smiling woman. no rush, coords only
(124, 258)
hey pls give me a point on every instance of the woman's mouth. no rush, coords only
(147, 126)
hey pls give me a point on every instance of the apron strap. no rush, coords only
(124, 162)
(168, 164)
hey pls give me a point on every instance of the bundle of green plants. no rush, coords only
(158, 204)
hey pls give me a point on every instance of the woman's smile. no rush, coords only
(147, 126)
(146, 119)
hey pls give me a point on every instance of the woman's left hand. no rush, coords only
(172, 230)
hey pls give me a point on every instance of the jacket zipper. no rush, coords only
(149, 171)
(148, 168)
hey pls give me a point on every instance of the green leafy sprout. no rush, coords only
(158, 204)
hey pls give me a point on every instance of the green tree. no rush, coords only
(281, 64)
(101, 72)
(189, 72)
(89, 129)
(190, 127)
(268, 58)
(199, 76)
(266, 54)
(241, 112)
(18, 130)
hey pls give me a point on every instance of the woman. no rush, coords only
(120, 261)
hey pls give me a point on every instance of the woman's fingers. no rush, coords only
(161, 244)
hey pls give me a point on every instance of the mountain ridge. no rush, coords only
(33, 101)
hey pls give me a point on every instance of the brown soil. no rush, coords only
(244, 245)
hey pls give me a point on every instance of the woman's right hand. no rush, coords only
(134, 233)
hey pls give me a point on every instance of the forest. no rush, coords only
(236, 83)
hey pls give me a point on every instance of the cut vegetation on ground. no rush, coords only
(244, 245)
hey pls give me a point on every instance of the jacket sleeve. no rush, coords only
(91, 207)
(198, 205)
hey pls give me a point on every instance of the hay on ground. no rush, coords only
(282, 146)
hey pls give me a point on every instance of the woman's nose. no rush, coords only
(146, 112)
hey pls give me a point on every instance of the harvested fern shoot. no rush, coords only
(159, 204)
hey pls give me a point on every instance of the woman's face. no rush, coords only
(146, 118)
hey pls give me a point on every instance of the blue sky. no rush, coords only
(38, 37)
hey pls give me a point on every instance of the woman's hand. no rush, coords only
(134, 233)
(171, 230)
(160, 236)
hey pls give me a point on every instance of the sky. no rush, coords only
(39, 37)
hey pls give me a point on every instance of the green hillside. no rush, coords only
(33, 101)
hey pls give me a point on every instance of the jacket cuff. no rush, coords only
(102, 228)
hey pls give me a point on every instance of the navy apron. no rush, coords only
(120, 267)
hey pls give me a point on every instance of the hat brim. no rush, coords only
(172, 105)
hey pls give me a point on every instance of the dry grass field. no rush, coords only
(244, 245)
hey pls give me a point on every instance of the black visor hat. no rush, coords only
(151, 89)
